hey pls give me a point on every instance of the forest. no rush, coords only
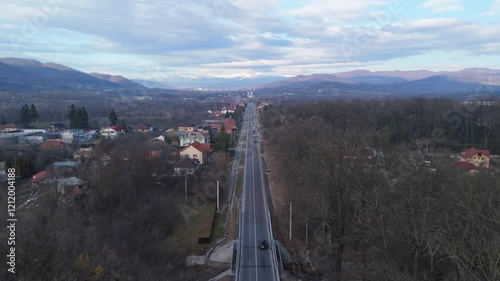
(375, 191)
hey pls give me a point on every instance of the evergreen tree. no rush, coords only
(33, 114)
(25, 116)
(2, 120)
(73, 117)
(113, 117)
(83, 118)
(223, 142)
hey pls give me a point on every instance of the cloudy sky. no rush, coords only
(186, 39)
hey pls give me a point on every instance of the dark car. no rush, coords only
(263, 244)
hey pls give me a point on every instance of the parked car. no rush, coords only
(263, 244)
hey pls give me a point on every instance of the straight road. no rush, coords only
(255, 264)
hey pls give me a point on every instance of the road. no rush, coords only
(255, 264)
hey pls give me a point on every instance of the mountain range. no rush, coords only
(30, 75)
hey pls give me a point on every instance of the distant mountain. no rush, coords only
(30, 75)
(154, 84)
(120, 80)
(360, 83)
(223, 83)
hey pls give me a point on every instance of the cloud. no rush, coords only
(232, 37)
(438, 6)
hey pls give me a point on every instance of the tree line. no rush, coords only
(374, 183)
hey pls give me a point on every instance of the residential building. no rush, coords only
(477, 157)
(198, 151)
(8, 128)
(186, 129)
(110, 132)
(191, 137)
(143, 128)
(52, 144)
(185, 167)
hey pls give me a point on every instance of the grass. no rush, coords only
(184, 239)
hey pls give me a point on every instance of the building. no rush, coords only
(8, 128)
(143, 128)
(198, 151)
(185, 167)
(477, 157)
(110, 132)
(186, 129)
(71, 186)
(190, 137)
(52, 144)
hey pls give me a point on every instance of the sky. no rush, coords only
(192, 39)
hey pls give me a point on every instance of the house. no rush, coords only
(68, 136)
(477, 157)
(71, 186)
(84, 152)
(8, 128)
(110, 132)
(185, 167)
(32, 139)
(210, 111)
(191, 137)
(40, 177)
(52, 144)
(227, 110)
(56, 128)
(186, 129)
(143, 128)
(229, 125)
(198, 151)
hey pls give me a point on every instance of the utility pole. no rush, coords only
(307, 232)
(218, 210)
(290, 220)
(185, 189)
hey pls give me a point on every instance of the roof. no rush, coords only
(52, 143)
(7, 126)
(39, 177)
(186, 164)
(115, 127)
(466, 166)
(58, 125)
(70, 181)
(203, 147)
(474, 151)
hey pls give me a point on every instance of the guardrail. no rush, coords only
(273, 249)
(238, 253)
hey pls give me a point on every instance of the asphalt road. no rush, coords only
(255, 264)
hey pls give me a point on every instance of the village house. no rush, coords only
(198, 151)
(477, 157)
(186, 129)
(8, 128)
(475, 160)
(71, 186)
(191, 137)
(52, 144)
(56, 128)
(185, 167)
(110, 132)
(143, 128)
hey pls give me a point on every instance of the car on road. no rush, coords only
(263, 244)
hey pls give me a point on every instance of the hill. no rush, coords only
(30, 75)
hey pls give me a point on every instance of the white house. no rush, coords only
(190, 137)
(110, 132)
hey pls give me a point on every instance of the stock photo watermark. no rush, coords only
(32, 25)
